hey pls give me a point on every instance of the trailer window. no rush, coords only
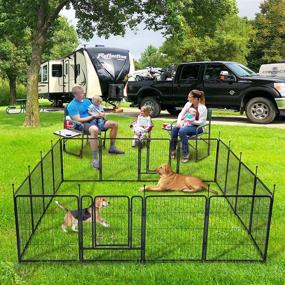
(40, 75)
(56, 70)
(77, 69)
(45, 73)
(190, 72)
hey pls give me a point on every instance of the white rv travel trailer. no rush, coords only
(99, 70)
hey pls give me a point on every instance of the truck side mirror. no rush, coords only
(224, 74)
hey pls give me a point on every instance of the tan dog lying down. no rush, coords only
(172, 181)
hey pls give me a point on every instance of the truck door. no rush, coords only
(220, 93)
(186, 80)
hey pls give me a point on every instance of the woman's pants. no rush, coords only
(183, 133)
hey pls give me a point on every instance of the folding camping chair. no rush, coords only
(75, 127)
(149, 129)
(204, 136)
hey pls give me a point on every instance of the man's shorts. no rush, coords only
(83, 128)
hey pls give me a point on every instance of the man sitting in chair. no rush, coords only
(78, 111)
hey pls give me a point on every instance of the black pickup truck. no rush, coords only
(228, 85)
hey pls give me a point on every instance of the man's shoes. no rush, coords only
(185, 159)
(116, 151)
(95, 163)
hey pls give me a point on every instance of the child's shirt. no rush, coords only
(144, 122)
(188, 120)
(95, 108)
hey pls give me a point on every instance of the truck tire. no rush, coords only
(173, 111)
(153, 104)
(260, 110)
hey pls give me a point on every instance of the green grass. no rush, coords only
(21, 146)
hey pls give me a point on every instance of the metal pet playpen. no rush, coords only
(231, 226)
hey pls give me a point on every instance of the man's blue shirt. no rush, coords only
(76, 107)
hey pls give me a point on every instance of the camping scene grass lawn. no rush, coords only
(21, 146)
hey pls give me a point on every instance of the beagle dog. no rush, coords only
(71, 216)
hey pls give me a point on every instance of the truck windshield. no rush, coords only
(241, 70)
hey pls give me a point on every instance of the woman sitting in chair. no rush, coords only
(196, 100)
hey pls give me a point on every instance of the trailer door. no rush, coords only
(66, 85)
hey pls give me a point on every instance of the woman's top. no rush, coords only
(201, 116)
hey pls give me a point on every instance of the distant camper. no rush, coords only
(99, 70)
(272, 70)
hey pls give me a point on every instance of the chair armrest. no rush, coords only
(149, 129)
(201, 127)
(172, 124)
(132, 124)
(69, 120)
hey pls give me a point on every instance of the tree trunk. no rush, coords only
(32, 118)
(12, 85)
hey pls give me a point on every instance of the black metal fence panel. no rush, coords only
(174, 227)
(49, 241)
(228, 239)
(114, 232)
(231, 226)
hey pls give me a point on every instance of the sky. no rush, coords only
(138, 41)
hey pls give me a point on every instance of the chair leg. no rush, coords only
(104, 140)
(82, 145)
(196, 148)
(63, 144)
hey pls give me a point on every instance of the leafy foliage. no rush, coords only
(208, 30)
(204, 30)
(268, 44)
(62, 40)
(103, 17)
(16, 49)
(151, 57)
(14, 55)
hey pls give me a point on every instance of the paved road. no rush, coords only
(217, 120)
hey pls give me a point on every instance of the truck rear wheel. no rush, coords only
(260, 110)
(153, 104)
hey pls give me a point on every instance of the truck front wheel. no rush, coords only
(153, 104)
(260, 110)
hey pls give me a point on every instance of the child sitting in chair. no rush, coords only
(189, 117)
(97, 109)
(142, 125)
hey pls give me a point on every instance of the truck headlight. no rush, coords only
(280, 87)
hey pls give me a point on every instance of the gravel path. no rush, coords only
(216, 120)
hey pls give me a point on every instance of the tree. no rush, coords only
(151, 57)
(268, 43)
(15, 50)
(14, 54)
(211, 30)
(101, 16)
(62, 40)
(231, 40)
